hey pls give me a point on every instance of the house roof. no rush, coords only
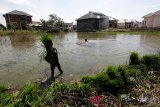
(16, 12)
(112, 18)
(93, 15)
(152, 14)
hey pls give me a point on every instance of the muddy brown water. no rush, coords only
(20, 61)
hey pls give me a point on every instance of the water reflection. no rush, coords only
(20, 61)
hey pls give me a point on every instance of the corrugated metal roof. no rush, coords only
(93, 15)
(16, 12)
(112, 18)
(152, 14)
(157, 12)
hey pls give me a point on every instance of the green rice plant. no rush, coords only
(28, 96)
(65, 93)
(134, 58)
(3, 87)
(46, 39)
(7, 99)
(151, 61)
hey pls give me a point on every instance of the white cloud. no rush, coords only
(20, 1)
(23, 2)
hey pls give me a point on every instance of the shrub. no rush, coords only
(134, 58)
(28, 96)
(7, 99)
(151, 61)
(2, 27)
(3, 87)
(67, 93)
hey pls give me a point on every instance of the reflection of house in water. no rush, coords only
(92, 21)
(95, 36)
(5, 41)
(17, 19)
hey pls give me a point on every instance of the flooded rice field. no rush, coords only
(20, 61)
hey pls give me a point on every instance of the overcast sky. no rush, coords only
(70, 10)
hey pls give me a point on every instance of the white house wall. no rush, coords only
(149, 21)
(156, 21)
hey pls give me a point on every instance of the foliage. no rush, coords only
(112, 79)
(55, 20)
(3, 87)
(44, 24)
(18, 32)
(7, 99)
(69, 93)
(151, 61)
(28, 96)
(53, 23)
(2, 27)
(46, 40)
(134, 58)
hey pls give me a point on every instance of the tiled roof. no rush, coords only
(16, 12)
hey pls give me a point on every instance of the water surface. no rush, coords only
(20, 61)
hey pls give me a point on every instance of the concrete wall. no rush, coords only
(156, 21)
(153, 21)
(92, 25)
(104, 23)
(148, 21)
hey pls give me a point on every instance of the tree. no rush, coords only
(56, 21)
(44, 24)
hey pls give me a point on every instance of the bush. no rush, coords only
(2, 27)
(134, 58)
(69, 93)
(151, 61)
(28, 96)
(6, 100)
(112, 79)
(3, 87)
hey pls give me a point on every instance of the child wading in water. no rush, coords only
(52, 56)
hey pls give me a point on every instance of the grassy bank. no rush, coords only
(18, 32)
(133, 31)
(122, 85)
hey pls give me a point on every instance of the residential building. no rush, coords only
(17, 20)
(92, 21)
(112, 22)
(152, 20)
(68, 26)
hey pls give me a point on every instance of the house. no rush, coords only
(68, 26)
(125, 24)
(36, 25)
(112, 22)
(92, 21)
(135, 24)
(152, 20)
(17, 20)
(121, 23)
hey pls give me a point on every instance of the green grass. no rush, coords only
(18, 32)
(3, 87)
